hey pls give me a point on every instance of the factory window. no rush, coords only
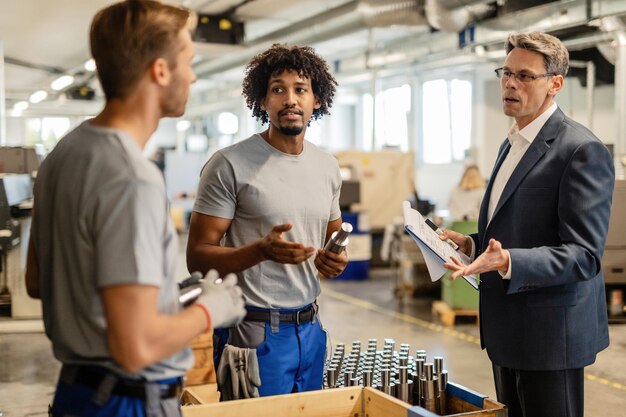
(53, 129)
(33, 132)
(446, 120)
(392, 114)
(368, 122)
(393, 107)
(46, 130)
(314, 132)
(227, 123)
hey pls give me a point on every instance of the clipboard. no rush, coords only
(435, 251)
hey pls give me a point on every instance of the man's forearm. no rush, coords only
(134, 344)
(203, 257)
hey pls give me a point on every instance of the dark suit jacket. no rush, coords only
(553, 218)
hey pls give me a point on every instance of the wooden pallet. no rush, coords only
(448, 315)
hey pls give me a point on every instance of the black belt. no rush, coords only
(298, 317)
(123, 387)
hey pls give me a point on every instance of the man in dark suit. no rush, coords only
(541, 233)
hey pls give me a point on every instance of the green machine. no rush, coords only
(458, 293)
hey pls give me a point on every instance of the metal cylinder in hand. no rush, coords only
(190, 289)
(339, 239)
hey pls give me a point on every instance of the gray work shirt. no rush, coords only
(101, 219)
(259, 187)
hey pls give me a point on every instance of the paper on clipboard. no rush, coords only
(436, 252)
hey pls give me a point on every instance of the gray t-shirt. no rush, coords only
(259, 187)
(101, 219)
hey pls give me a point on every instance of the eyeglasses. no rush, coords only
(522, 77)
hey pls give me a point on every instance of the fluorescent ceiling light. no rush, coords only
(90, 65)
(20, 105)
(38, 96)
(62, 82)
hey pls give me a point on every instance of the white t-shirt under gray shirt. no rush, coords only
(101, 219)
(259, 187)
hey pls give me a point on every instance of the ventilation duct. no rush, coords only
(604, 70)
(442, 15)
(615, 25)
(340, 21)
(384, 13)
(511, 6)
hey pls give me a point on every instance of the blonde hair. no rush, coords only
(555, 55)
(471, 179)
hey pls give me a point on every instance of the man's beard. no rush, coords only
(291, 130)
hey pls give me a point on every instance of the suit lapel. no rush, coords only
(484, 205)
(537, 148)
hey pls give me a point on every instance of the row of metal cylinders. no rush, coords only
(396, 373)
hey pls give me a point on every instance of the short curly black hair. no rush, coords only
(280, 58)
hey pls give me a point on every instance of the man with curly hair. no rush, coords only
(264, 205)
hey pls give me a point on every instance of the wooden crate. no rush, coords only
(461, 401)
(448, 315)
(200, 394)
(338, 402)
(346, 402)
(203, 371)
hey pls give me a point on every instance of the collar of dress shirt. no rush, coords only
(530, 132)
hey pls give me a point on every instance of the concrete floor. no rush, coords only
(350, 310)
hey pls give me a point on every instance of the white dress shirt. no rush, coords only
(520, 141)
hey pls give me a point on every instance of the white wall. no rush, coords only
(339, 128)
(494, 126)
(434, 182)
(573, 101)
(16, 131)
(166, 136)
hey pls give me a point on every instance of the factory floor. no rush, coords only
(350, 310)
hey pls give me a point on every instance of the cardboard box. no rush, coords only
(19, 160)
(203, 371)
(386, 180)
(344, 402)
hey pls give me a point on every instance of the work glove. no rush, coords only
(238, 373)
(224, 382)
(223, 299)
(253, 379)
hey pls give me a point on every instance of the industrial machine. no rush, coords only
(15, 218)
(20, 159)
(614, 260)
(385, 180)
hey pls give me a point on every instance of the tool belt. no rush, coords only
(95, 378)
(305, 315)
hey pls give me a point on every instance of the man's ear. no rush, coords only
(160, 72)
(317, 104)
(557, 85)
(262, 104)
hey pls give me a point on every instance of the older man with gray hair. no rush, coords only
(541, 233)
